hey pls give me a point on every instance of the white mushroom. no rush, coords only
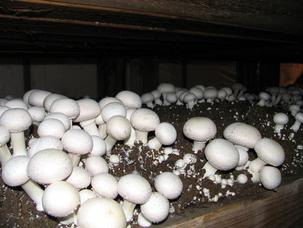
(61, 117)
(37, 97)
(190, 100)
(79, 178)
(166, 134)
(169, 185)
(66, 106)
(129, 99)
(51, 127)
(164, 89)
(210, 94)
(280, 120)
(95, 165)
(270, 177)
(147, 99)
(105, 185)
(42, 143)
(50, 99)
(264, 97)
(299, 120)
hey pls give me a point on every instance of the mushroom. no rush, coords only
(221, 155)
(190, 100)
(135, 190)
(42, 143)
(105, 185)
(199, 129)
(294, 109)
(197, 92)
(67, 106)
(242, 179)
(79, 178)
(100, 212)
(37, 114)
(99, 146)
(222, 94)
(144, 121)
(86, 194)
(143, 222)
(95, 165)
(129, 99)
(16, 103)
(164, 89)
(299, 120)
(156, 94)
(61, 117)
(113, 109)
(270, 177)
(147, 99)
(280, 120)
(171, 98)
(210, 94)
(166, 134)
(107, 100)
(50, 99)
(4, 151)
(16, 121)
(169, 185)
(264, 97)
(37, 97)
(51, 127)
(156, 209)
(130, 141)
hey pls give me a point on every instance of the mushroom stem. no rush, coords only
(110, 142)
(18, 143)
(128, 209)
(278, 128)
(254, 168)
(154, 144)
(102, 131)
(75, 158)
(198, 146)
(296, 126)
(132, 138)
(4, 154)
(35, 192)
(141, 136)
(209, 170)
(90, 127)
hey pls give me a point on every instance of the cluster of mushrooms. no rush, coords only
(64, 171)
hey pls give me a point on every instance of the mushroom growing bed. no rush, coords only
(201, 183)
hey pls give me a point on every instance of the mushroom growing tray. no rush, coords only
(240, 205)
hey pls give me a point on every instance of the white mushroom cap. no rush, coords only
(107, 100)
(264, 95)
(171, 97)
(42, 143)
(270, 151)
(51, 127)
(37, 113)
(189, 97)
(113, 109)
(118, 127)
(156, 94)
(166, 133)
(222, 154)
(242, 178)
(97, 213)
(270, 177)
(105, 185)
(299, 117)
(200, 129)
(4, 135)
(60, 116)
(166, 88)
(49, 166)
(197, 92)
(134, 188)
(144, 120)
(26, 95)
(16, 103)
(95, 165)
(242, 134)
(50, 99)
(37, 97)
(77, 141)
(3, 109)
(201, 87)
(210, 93)
(16, 120)
(14, 171)
(66, 106)
(86, 194)
(146, 98)
(79, 178)
(222, 94)
(89, 109)
(99, 146)
(280, 118)
(129, 99)
(60, 199)
(156, 209)
(169, 185)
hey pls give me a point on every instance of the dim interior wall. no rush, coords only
(72, 80)
(11, 80)
(171, 73)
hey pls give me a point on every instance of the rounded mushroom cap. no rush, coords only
(95, 165)
(189, 97)
(37, 113)
(270, 151)
(99, 146)
(242, 134)
(59, 116)
(79, 178)
(270, 177)
(147, 97)
(299, 117)
(4, 135)
(60, 199)
(171, 97)
(166, 133)
(105, 185)
(107, 100)
(222, 154)
(89, 109)
(112, 109)
(156, 209)
(294, 108)
(16, 120)
(166, 88)
(210, 93)
(86, 194)
(156, 94)
(144, 120)
(134, 188)
(51, 127)
(16, 103)
(280, 118)
(118, 127)
(200, 129)
(77, 141)
(27, 94)
(50, 99)
(42, 143)
(228, 90)
(66, 106)
(222, 93)
(129, 99)
(264, 96)
(2, 110)
(37, 97)
(197, 92)
(101, 212)
(14, 171)
(169, 185)
(49, 166)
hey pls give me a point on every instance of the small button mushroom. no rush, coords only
(270, 177)
(37, 97)
(156, 94)
(113, 109)
(171, 98)
(105, 185)
(49, 166)
(280, 119)
(61, 117)
(99, 146)
(42, 143)
(210, 94)
(144, 121)
(134, 189)
(190, 100)
(86, 194)
(294, 109)
(143, 222)
(264, 97)
(164, 89)
(190, 158)
(26, 96)
(147, 99)
(37, 113)
(169, 185)
(166, 134)
(129, 99)
(67, 106)
(101, 212)
(299, 120)
(16, 121)
(156, 209)
(16, 103)
(199, 129)
(51, 127)
(4, 139)
(60, 199)
(221, 155)
(243, 157)
(242, 179)
(79, 178)
(50, 99)
(95, 165)
(89, 110)
(197, 92)
(222, 94)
